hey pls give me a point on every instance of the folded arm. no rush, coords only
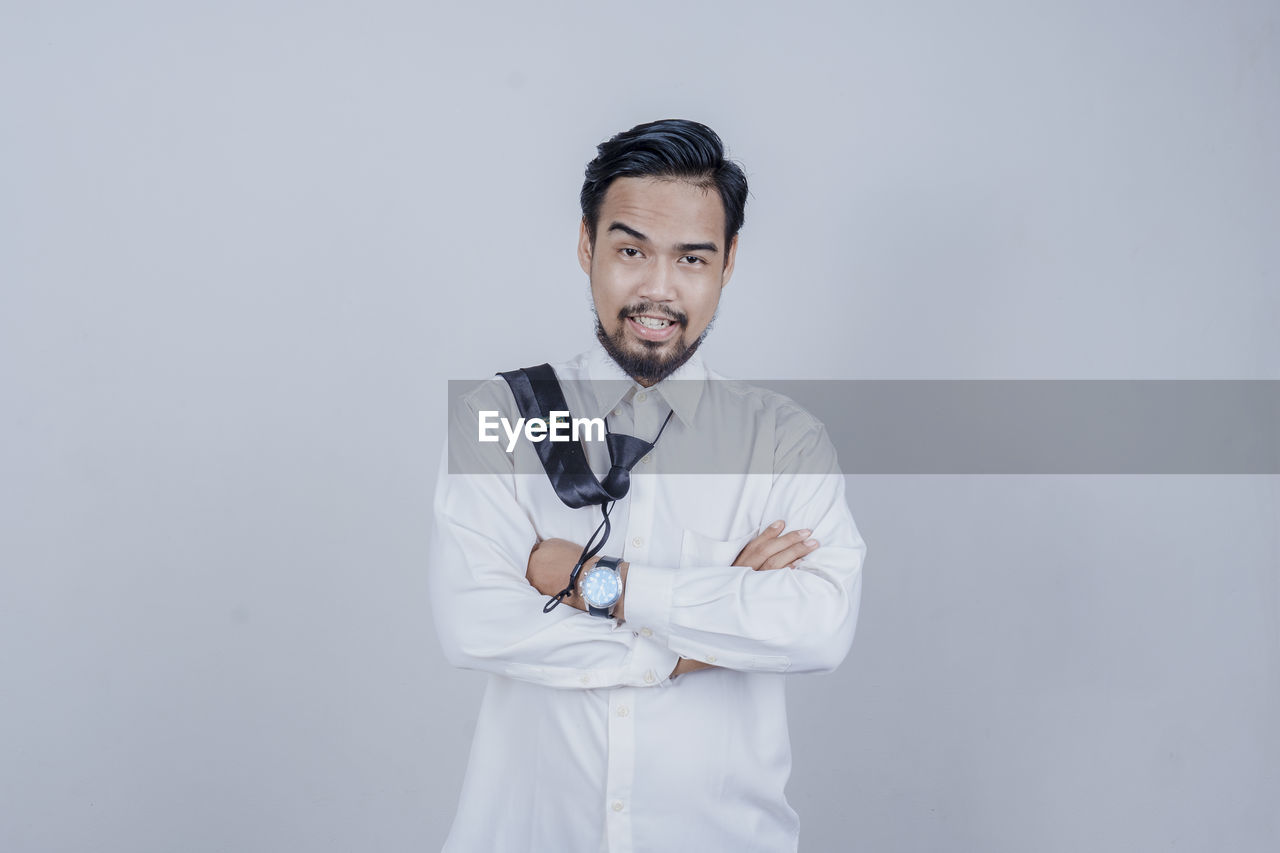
(487, 615)
(774, 548)
(793, 620)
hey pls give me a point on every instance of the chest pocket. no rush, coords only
(697, 549)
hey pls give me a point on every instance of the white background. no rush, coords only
(243, 245)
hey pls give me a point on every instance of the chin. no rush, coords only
(649, 360)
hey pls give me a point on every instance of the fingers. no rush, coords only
(790, 555)
(779, 544)
(769, 534)
(773, 549)
(748, 557)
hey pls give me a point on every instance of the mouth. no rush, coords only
(652, 327)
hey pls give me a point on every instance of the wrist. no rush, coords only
(576, 599)
(689, 665)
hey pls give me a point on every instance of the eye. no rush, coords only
(693, 259)
(630, 252)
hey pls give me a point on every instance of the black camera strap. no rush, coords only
(538, 393)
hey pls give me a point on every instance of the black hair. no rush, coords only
(671, 148)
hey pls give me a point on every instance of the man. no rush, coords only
(656, 723)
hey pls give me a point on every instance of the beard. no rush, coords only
(649, 364)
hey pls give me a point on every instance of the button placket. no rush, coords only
(620, 775)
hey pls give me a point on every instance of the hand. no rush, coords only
(550, 563)
(774, 549)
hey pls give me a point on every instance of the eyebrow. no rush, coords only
(680, 247)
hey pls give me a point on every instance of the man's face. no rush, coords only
(657, 268)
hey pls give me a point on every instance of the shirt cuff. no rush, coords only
(647, 608)
(651, 663)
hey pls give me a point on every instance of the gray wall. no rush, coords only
(244, 245)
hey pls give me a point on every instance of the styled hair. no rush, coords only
(672, 149)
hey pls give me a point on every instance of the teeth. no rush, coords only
(652, 323)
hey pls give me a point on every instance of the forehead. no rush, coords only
(665, 210)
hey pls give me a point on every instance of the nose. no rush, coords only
(659, 283)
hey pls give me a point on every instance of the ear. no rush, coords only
(584, 247)
(729, 259)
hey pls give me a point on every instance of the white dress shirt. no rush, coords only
(584, 743)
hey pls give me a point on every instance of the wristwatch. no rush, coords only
(602, 586)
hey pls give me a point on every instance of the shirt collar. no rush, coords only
(682, 390)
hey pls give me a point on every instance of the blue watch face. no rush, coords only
(601, 587)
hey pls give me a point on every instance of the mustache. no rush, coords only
(655, 310)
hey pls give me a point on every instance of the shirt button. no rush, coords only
(648, 460)
(617, 805)
(637, 542)
(622, 711)
(649, 677)
(586, 679)
(711, 658)
(645, 632)
(616, 412)
(641, 397)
